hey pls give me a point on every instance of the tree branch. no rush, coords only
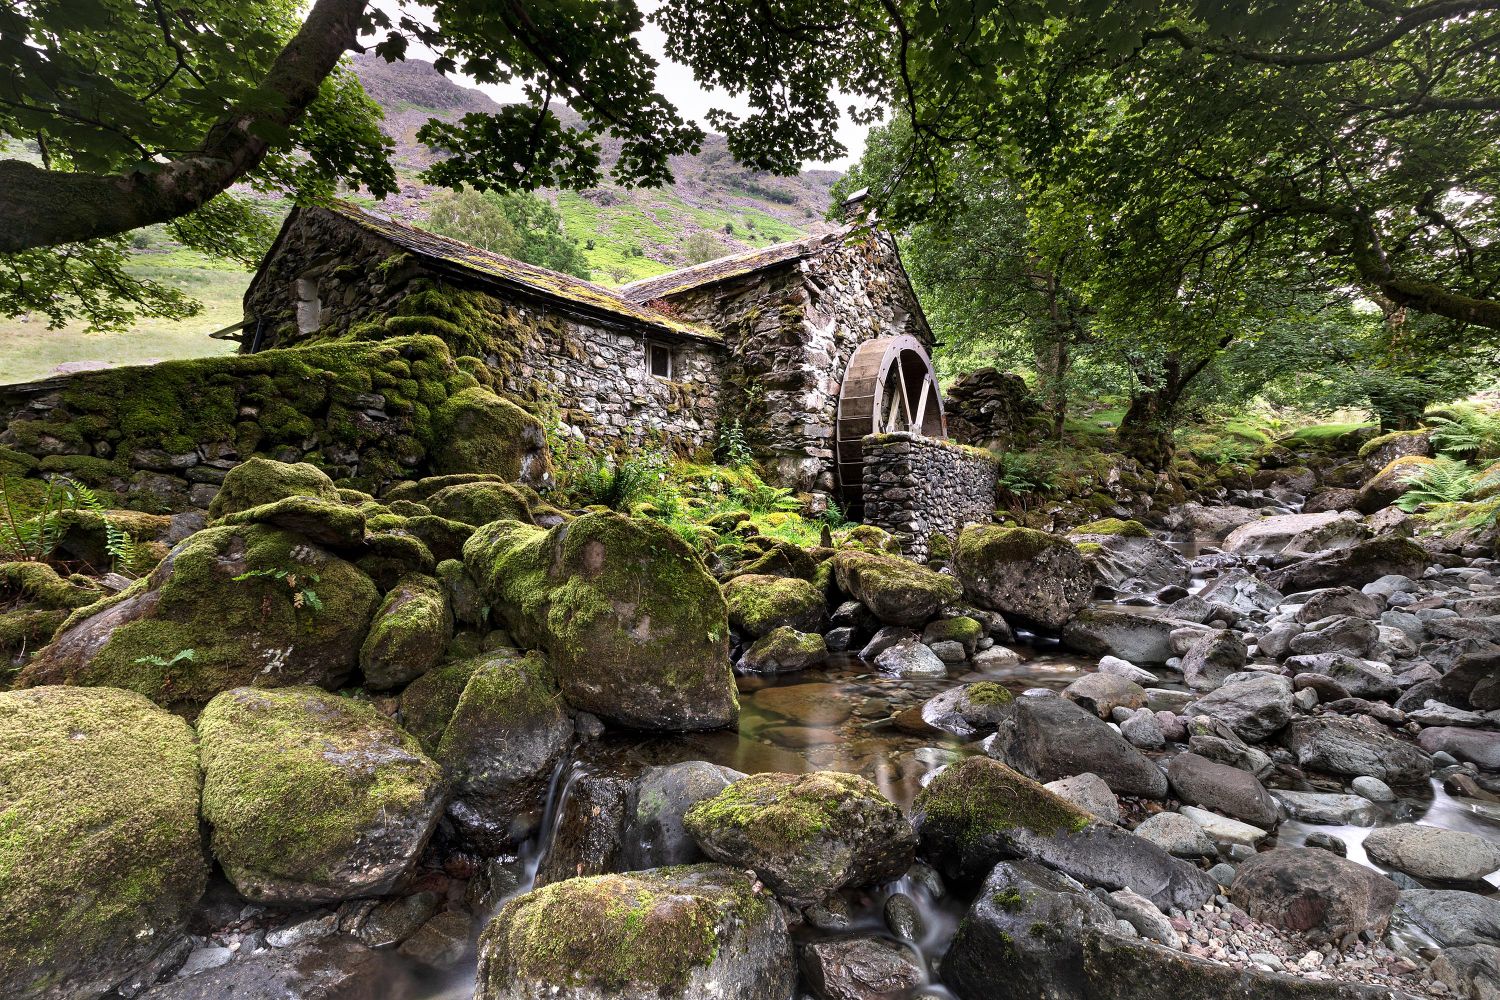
(40, 208)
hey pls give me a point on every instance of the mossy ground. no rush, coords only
(978, 798)
(98, 831)
(293, 779)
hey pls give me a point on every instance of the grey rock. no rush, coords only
(658, 837)
(1089, 793)
(1051, 738)
(1103, 693)
(1254, 705)
(1313, 892)
(1341, 746)
(1177, 835)
(859, 968)
(1202, 782)
(1373, 789)
(1142, 914)
(1483, 748)
(1135, 636)
(909, 658)
(1327, 808)
(1211, 658)
(1431, 852)
(1452, 917)
(1351, 636)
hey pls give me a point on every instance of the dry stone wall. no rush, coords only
(923, 489)
(789, 334)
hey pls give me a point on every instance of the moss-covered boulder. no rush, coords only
(780, 559)
(229, 606)
(480, 503)
(805, 835)
(666, 934)
(1035, 577)
(961, 629)
(313, 797)
(759, 604)
(1378, 452)
(475, 430)
(320, 521)
(1391, 483)
(409, 633)
(783, 651)
(101, 861)
(260, 481)
(896, 591)
(507, 731)
(968, 710)
(1361, 563)
(635, 628)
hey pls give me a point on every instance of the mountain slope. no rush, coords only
(626, 233)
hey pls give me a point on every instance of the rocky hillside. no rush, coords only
(627, 234)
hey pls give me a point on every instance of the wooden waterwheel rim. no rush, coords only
(888, 387)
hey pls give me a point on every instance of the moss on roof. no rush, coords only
(724, 268)
(494, 268)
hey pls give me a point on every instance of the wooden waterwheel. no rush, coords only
(889, 386)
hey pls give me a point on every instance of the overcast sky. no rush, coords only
(675, 82)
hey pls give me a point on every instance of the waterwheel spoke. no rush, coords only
(921, 420)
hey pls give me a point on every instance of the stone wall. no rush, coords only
(790, 331)
(161, 437)
(594, 373)
(921, 488)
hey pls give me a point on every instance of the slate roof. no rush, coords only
(511, 274)
(725, 268)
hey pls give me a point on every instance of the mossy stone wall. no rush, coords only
(162, 437)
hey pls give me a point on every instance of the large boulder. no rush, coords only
(1023, 937)
(313, 797)
(228, 607)
(896, 591)
(634, 626)
(669, 934)
(1452, 917)
(1361, 563)
(504, 736)
(1390, 484)
(967, 710)
(1048, 738)
(806, 836)
(408, 634)
(480, 502)
(860, 968)
(1254, 705)
(1135, 636)
(1314, 892)
(759, 605)
(1213, 657)
(476, 431)
(1127, 558)
(1034, 577)
(1336, 745)
(258, 481)
(978, 812)
(1202, 782)
(1241, 591)
(663, 795)
(1270, 535)
(101, 861)
(1432, 852)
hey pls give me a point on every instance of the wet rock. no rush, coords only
(589, 835)
(1126, 557)
(1470, 970)
(1177, 835)
(758, 605)
(884, 639)
(671, 934)
(1313, 892)
(1483, 748)
(996, 658)
(1243, 592)
(1211, 658)
(198, 600)
(1327, 808)
(1339, 635)
(101, 862)
(394, 921)
(861, 968)
(963, 630)
(1023, 937)
(408, 635)
(968, 710)
(1358, 678)
(1089, 793)
(807, 835)
(1116, 667)
(1270, 535)
(896, 591)
(440, 943)
(1254, 705)
(1050, 738)
(1231, 750)
(313, 797)
(1134, 636)
(1103, 693)
(1035, 577)
(1373, 789)
(1199, 781)
(634, 626)
(1341, 746)
(1354, 566)
(903, 917)
(1142, 914)
(1434, 853)
(1214, 522)
(909, 658)
(663, 796)
(816, 704)
(331, 969)
(1452, 917)
(783, 651)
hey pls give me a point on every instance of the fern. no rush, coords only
(1469, 432)
(1445, 480)
(118, 543)
(34, 538)
(161, 661)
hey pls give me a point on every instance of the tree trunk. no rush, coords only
(1146, 432)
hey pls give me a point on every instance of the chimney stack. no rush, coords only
(855, 208)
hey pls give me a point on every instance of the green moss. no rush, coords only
(25, 631)
(260, 481)
(1088, 548)
(641, 931)
(760, 604)
(409, 633)
(319, 520)
(986, 545)
(960, 629)
(895, 590)
(39, 584)
(294, 778)
(779, 814)
(428, 703)
(979, 798)
(1113, 526)
(480, 503)
(100, 856)
(419, 490)
(985, 693)
(1376, 443)
(476, 431)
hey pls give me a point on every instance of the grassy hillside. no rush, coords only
(626, 234)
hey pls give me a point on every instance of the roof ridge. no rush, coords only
(729, 266)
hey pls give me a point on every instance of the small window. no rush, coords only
(309, 307)
(659, 360)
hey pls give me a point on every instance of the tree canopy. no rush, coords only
(516, 224)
